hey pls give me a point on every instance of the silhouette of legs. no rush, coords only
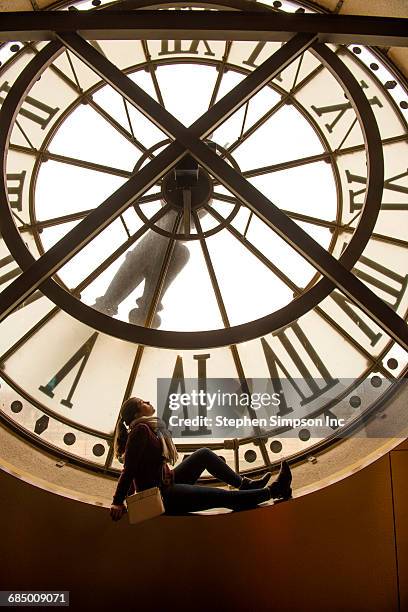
(143, 263)
(185, 496)
(191, 468)
(182, 498)
(178, 260)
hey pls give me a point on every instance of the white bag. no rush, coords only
(144, 505)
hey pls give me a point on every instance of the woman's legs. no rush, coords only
(186, 496)
(191, 468)
(181, 498)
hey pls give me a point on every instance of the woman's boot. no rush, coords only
(280, 489)
(258, 483)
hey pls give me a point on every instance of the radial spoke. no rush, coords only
(293, 163)
(297, 71)
(72, 161)
(278, 272)
(39, 225)
(380, 237)
(331, 225)
(221, 70)
(292, 214)
(259, 123)
(46, 223)
(118, 127)
(71, 65)
(61, 74)
(361, 147)
(125, 106)
(83, 163)
(226, 322)
(211, 272)
(311, 159)
(286, 97)
(152, 72)
(187, 212)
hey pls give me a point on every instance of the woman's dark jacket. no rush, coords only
(142, 463)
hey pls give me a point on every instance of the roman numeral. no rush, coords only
(11, 273)
(202, 386)
(9, 270)
(328, 414)
(178, 385)
(345, 304)
(251, 61)
(32, 103)
(175, 46)
(395, 291)
(81, 356)
(15, 184)
(341, 109)
(272, 361)
(292, 352)
(389, 184)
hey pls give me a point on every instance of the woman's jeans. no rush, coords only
(185, 496)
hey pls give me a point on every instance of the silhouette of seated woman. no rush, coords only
(147, 448)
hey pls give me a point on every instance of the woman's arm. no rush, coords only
(135, 447)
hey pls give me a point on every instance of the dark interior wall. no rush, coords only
(331, 550)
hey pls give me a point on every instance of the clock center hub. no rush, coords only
(187, 177)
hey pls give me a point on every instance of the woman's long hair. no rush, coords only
(128, 412)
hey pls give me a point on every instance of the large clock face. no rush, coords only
(190, 280)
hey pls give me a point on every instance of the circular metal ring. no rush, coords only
(180, 236)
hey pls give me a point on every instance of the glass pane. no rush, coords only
(85, 135)
(186, 90)
(295, 267)
(75, 70)
(188, 300)
(144, 130)
(82, 189)
(285, 136)
(249, 289)
(308, 190)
